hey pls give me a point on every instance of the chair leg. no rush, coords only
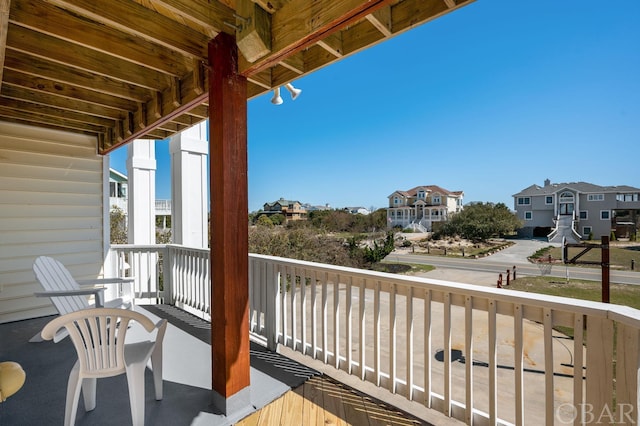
(135, 381)
(89, 393)
(73, 395)
(156, 365)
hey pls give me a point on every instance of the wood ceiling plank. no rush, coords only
(381, 19)
(45, 119)
(68, 91)
(411, 13)
(295, 63)
(54, 21)
(44, 98)
(79, 57)
(133, 18)
(210, 14)
(50, 111)
(333, 44)
(39, 67)
(4, 27)
(300, 24)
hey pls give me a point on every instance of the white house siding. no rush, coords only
(51, 203)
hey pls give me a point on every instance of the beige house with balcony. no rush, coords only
(291, 210)
(418, 208)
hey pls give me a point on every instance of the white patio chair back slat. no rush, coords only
(53, 276)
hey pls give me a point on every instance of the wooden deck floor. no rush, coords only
(324, 401)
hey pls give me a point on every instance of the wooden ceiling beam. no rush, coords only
(47, 99)
(133, 18)
(209, 14)
(97, 37)
(381, 19)
(333, 44)
(4, 28)
(79, 57)
(68, 91)
(300, 24)
(45, 119)
(47, 110)
(40, 67)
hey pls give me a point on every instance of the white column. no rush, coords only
(141, 168)
(189, 202)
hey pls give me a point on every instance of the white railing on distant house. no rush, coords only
(482, 355)
(163, 207)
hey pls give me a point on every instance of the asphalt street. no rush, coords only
(484, 271)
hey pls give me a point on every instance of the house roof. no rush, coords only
(282, 202)
(126, 69)
(582, 187)
(428, 188)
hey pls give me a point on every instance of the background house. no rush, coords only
(291, 210)
(420, 207)
(118, 197)
(578, 210)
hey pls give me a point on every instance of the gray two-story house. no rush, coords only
(578, 210)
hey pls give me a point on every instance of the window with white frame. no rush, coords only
(548, 199)
(421, 195)
(595, 197)
(524, 201)
(605, 215)
(584, 215)
(627, 197)
(528, 215)
(436, 199)
(396, 200)
(586, 230)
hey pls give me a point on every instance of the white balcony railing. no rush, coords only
(475, 353)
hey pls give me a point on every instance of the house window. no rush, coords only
(524, 201)
(421, 195)
(595, 197)
(584, 215)
(436, 199)
(586, 231)
(627, 197)
(528, 215)
(604, 214)
(396, 200)
(548, 199)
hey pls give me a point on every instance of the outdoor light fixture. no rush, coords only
(277, 99)
(294, 92)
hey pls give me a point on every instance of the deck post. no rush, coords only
(229, 229)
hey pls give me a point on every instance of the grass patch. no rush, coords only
(621, 255)
(402, 268)
(620, 294)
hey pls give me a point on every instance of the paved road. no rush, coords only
(485, 271)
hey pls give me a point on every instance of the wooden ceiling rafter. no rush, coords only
(126, 69)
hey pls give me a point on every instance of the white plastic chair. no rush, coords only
(99, 335)
(68, 295)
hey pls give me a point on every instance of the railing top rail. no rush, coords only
(618, 313)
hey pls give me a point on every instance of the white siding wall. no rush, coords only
(51, 203)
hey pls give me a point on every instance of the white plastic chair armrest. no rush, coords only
(102, 281)
(97, 292)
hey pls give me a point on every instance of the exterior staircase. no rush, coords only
(564, 228)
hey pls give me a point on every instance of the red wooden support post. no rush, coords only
(229, 232)
(605, 268)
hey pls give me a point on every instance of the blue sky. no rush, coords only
(489, 99)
